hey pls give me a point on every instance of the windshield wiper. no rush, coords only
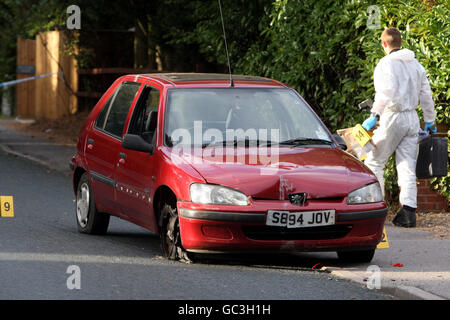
(306, 141)
(246, 143)
(252, 142)
(223, 143)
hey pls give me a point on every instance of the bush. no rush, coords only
(325, 50)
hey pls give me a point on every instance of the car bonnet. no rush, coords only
(320, 172)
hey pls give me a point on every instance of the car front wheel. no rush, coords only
(89, 220)
(171, 246)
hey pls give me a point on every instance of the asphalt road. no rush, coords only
(40, 246)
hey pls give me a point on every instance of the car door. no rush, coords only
(136, 170)
(103, 144)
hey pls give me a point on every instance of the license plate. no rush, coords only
(300, 219)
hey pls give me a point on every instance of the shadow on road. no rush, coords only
(278, 260)
(130, 241)
(282, 260)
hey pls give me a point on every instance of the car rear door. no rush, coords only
(136, 170)
(103, 145)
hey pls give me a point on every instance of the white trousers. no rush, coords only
(398, 132)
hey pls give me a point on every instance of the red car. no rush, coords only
(219, 165)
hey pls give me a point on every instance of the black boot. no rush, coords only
(406, 217)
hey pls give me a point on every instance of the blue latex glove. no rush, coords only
(369, 123)
(428, 126)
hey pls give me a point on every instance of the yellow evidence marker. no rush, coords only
(384, 243)
(363, 138)
(6, 207)
(361, 135)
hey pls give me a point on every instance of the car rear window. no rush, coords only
(115, 111)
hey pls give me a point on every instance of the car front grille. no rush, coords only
(283, 233)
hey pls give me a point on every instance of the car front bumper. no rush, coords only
(206, 229)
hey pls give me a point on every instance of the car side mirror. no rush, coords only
(340, 141)
(136, 143)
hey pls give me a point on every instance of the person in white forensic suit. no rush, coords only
(401, 85)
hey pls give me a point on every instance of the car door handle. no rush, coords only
(122, 157)
(90, 144)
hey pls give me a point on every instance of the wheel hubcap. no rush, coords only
(83, 205)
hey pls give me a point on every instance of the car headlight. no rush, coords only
(214, 194)
(366, 194)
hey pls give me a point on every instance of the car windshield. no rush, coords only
(235, 116)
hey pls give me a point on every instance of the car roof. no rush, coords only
(209, 80)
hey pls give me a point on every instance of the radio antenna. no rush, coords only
(226, 46)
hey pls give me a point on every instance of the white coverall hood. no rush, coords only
(400, 85)
(404, 54)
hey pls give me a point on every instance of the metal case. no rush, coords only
(432, 158)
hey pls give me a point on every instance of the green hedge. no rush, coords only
(322, 48)
(326, 51)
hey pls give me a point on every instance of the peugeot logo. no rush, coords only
(297, 198)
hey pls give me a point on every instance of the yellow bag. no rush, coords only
(358, 141)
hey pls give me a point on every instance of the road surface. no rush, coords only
(42, 256)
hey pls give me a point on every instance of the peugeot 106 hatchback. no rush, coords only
(213, 165)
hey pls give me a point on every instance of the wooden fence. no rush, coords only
(50, 97)
(26, 62)
(53, 97)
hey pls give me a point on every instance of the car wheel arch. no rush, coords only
(163, 195)
(78, 172)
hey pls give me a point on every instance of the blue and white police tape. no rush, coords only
(14, 82)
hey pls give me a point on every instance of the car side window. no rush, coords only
(114, 114)
(100, 121)
(144, 119)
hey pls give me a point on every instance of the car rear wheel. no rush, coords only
(89, 220)
(356, 256)
(170, 235)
